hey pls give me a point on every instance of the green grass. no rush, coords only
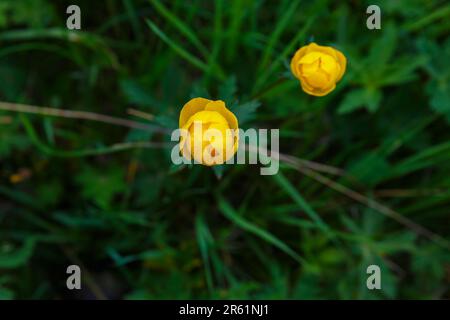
(364, 178)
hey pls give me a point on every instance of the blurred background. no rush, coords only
(365, 177)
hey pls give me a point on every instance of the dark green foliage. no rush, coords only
(143, 228)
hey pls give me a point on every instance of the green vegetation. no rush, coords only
(364, 176)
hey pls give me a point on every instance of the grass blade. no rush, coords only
(218, 36)
(289, 49)
(178, 49)
(276, 34)
(180, 26)
(284, 183)
(131, 12)
(237, 13)
(203, 239)
(233, 216)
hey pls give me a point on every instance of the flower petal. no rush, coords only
(205, 117)
(219, 106)
(311, 57)
(329, 65)
(190, 108)
(316, 91)
(317, 80)
(314, 47)
(295, 59)
(342, 62)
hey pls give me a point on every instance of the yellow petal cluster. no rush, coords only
(209, 131)
(318, 68)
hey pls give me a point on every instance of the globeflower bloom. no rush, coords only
(209, 131)
(318, 68)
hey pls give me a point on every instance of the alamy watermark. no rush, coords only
(74, 280)
(73, 22)
(374, 280)
(374, 20)
(252, 147)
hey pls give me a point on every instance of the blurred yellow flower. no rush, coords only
(22, 175)
(318, 68)
(209, 131)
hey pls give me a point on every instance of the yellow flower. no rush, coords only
(318, 68)
(209, 131)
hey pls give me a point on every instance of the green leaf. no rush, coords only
(383, 48)
(6, 294)
(403, 71)
(101, 186)
(137, 95)
(19, 257)
(227, 91)
(245, 112)
(360, 98)
(438, 68)
(370, 168)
